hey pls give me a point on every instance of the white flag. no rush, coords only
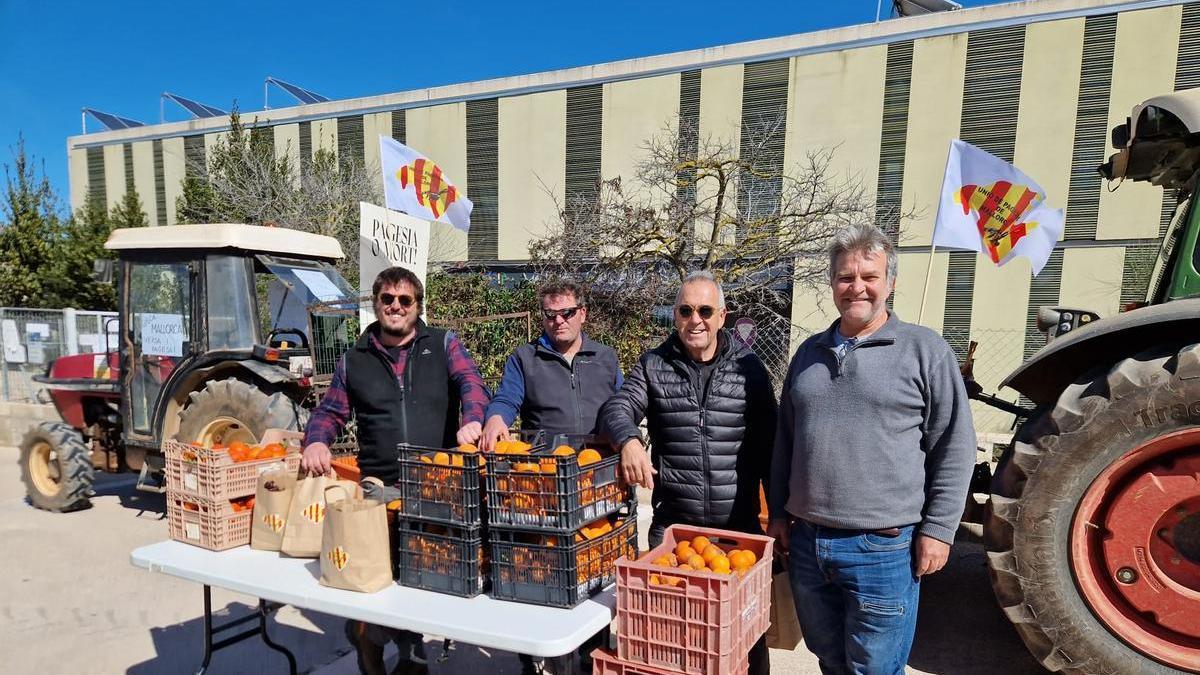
(990, 206)
(417, 186)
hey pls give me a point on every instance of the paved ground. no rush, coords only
(72, 603)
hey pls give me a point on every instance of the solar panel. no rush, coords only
(299, 93)
(112, 122)
(196, 108)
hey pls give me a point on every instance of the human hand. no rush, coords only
(778, 528)
(494, 430)
(930, 555)
(316, 459)
(635, 464)
(469, 433)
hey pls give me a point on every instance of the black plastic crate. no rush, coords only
(441, 558)
(559, 570)
(442, 485)
(544, 491)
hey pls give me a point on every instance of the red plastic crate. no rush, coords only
(704, 625)
(212, 475)
(605, 662)
(215, 526)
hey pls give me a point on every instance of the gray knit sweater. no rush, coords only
(882, 438)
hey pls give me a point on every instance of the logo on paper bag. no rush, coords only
(314, 512)
(338, 556)
(273, 521)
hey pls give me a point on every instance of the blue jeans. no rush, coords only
(856, 597)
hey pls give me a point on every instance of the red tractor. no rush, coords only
(213, 347)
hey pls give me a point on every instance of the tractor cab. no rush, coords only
(213, 347)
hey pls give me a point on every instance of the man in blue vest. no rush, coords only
(404, 382)
(557, 382)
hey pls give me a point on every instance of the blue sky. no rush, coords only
(60, 56)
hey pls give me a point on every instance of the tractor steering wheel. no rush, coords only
(287, 331)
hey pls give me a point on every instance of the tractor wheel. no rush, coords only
(1093, 528)
(56, 467)
(231, 410)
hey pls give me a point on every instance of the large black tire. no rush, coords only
(56, 467)
(1039, 483)
(230, 410)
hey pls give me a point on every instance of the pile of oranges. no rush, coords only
(701, 555)
(243, 452)
(535, 560)
(238, 505)
(435, 550)
(537, 494)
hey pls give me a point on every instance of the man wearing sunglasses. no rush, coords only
(556, 383)
(710, 409)
(872, 459)
(403, 382)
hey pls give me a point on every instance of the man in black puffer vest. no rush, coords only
(710, 410)
(403, 382)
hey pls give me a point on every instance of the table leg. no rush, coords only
(261, 629)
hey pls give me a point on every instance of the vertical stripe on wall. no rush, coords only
(95, 169)
(305, 146)
(584, 125)
(264, 137)
(127, 150)
(350, 139)
(399, 125)
(193, 156)
(991, 94)
(1043, 290)
(1136, 276)
(893, 137)
(764, 131)
(1091, 126)
(689, 134)
(483, 177)
(160, 184)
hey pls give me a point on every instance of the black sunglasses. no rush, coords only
(705, 311)
(406, 301)
(567, 314)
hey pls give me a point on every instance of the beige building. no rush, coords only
(1039, 83)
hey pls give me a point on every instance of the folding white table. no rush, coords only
(511, 626)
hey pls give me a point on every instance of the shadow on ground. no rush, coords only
(960, 627)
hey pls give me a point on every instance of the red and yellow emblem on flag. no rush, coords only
(273, 521)
(1000, 207)
(314, 512)
(338, 556)
(433, 191)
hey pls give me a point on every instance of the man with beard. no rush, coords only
(404, 382)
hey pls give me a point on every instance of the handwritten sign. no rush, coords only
(162, 334)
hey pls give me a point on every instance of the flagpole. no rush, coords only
(925, 293)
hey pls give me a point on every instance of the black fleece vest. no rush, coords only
(417, 409)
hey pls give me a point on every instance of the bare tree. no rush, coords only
(704, 203)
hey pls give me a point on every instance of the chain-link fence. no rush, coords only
(31, 338)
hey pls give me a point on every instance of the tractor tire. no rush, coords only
(56, 468)
(231, 410)
(1093, 527)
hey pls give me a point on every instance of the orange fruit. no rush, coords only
(526, 466)
(441, 459)
(683, 551)
(654, 580)
(519, 447)
(588, 456)
(426, 460)
(663, 560)
(696, 561)
(699, 543)
(549, 466)
(720, 565)
(564, 451)
(468, 447)
(456, 460)
(709, 553)
(672, 581)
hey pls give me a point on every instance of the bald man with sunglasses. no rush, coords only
(710, 409)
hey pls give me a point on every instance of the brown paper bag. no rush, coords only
(302, 531)
(355, 555)
(784, 631)
(271, 504)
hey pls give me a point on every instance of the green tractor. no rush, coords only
(1093, 526)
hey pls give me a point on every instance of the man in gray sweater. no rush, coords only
(873, 455)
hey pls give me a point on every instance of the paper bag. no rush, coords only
(355, 555)
(302, 531)
(271, 504)
(784, 631)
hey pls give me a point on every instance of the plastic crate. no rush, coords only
(706, 623)
(544, 491)
(346, 467)
(556, 570)
(213, 525)
(605, 662)
(212, 475)
(441, 558)
(441, 485)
